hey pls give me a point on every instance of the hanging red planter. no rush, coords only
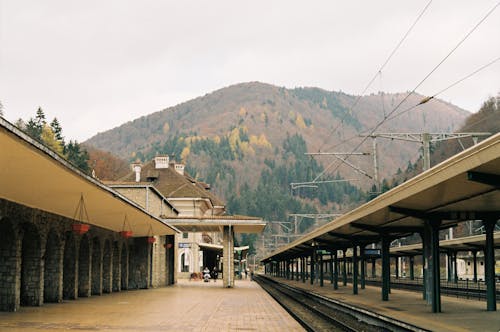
(126, 231)
(151, 239)
(126, 234)
(80, 229)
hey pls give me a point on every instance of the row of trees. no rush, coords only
(51, 135)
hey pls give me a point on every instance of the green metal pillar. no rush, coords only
(344, 268)
(336, 271)
(455, 272)
(474, 254)
(313, 265)
(374, 269)
(363, 267)
(355, 270)
(330, 267)
(412, 267)
(386, 268)
(426, 247)
(434, 270)
(321, 272)
(489, 265)
(303, 268)
(449, 265)
(396, 265)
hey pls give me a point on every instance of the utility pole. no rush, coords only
(314, 216)
(426, 139)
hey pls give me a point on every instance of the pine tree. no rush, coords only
(34, 127)
(77, 156)
(56, 128)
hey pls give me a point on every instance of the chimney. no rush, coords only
(179, 168)
(161, 161)
(136, 167)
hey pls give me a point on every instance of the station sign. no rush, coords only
(184, 245)
(372, 253)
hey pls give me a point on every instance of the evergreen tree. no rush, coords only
(57, 130)
(77, 156)
(34, 127)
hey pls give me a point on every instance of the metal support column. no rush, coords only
(412, 267)
(396, 263)
(321, 274)
(455, 272)
(489, 265)
(336, 271)
(355, 270)
(449, 265)
(433, 264)
(363, 267)
(474, 254)
(374, 269)
(344, 268)
(303, 268)
(386, 268)
(330, 267)
(313, 265)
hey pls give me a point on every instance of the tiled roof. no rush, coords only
(172, 184)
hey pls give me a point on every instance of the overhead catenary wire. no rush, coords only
(377, 73)
(413, 91)
(425, 100)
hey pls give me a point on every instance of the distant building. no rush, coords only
(163, 188)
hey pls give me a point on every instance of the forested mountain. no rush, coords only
(249, 142)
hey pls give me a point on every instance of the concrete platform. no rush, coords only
(457, 314)
(187, 306)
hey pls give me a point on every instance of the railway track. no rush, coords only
(318, 313)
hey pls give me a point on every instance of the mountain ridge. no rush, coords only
(269, 111)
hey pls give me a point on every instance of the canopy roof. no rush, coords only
(239, 224)
(463, 187)
(469, 243)
(37, 177)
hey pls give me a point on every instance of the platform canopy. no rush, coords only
(463, 187)
(468, 243)
(35, 176)
(239, 224)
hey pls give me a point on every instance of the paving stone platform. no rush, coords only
(187, 306)
(458, 314)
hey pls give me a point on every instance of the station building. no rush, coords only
(65, 235)
(163, 188)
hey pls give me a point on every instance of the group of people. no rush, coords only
(207, 274)
(214, 274)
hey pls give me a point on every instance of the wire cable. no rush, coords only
(413, 91)
(425, 100)
(377, 73)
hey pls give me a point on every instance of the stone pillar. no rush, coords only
(228, 250)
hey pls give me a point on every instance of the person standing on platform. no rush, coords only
(215, 273)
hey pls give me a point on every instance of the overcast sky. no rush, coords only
(97, 64)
